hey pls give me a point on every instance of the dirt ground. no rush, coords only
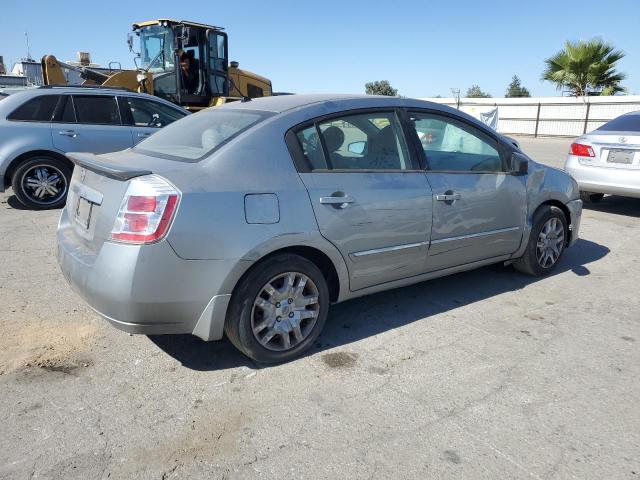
(485, 374)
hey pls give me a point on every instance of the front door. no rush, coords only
(94, 125)
(479, 207)
(369, 197)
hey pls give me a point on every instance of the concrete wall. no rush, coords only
(548, 116)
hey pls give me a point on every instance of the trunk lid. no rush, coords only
(97, 187)
(616, 150)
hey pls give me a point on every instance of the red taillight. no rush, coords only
(146, 211)
(141, 204)
(580, 150)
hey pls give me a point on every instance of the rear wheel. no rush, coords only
(41, 182)
(546, 243)
(279, 309)
(588, 197)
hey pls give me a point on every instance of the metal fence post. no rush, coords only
(537, 121)
(586, 118)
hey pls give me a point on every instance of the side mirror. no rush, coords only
(357, 147)
(130, 42)
(519, 164)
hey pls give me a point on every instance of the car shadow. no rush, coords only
(14, 203)
(627, 206)
(364, 317)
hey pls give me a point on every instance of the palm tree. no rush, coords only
(586, 68)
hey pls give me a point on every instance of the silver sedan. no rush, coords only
(250, 219)
(607, 160)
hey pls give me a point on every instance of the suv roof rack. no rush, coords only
(99, 87)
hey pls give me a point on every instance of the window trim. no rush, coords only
(127, 116)
(59, 110)
(31, 99)
(502, 148)
(115, 97)
(303, 165)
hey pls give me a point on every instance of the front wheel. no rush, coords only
(546, 243)
(278, 309)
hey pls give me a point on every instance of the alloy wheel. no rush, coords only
(550, 242)
(285, 311)
(44, 184)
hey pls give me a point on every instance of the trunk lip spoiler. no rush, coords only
(90, 161)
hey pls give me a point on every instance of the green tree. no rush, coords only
(380, 87)
(515, 89)
(475, 92)
(586, 68)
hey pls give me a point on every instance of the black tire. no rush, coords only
(588, 197)
(35, 169)
(242, 312)
(530, 262)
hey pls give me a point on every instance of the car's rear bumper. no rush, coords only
(597, 179)
(146, 289)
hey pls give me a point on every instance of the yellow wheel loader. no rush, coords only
(184, 62)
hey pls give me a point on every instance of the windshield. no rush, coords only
(197, 135)
(156, 48)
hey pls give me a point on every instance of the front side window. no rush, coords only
(217, 63)
(101, 109)
(367, 141)
(147, 113)
(450, 145)
(197, 135)
(38, 109)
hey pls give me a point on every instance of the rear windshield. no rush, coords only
(625, 123)
(196, 136)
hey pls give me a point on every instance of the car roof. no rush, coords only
(21, 96)
(282, 103)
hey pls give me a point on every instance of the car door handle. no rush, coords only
(337, 201)
(143, 135)
(68, 133)
(448, 197)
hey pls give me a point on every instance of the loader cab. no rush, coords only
(188, 61)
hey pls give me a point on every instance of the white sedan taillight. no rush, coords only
(146, 211)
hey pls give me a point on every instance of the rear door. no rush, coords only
(479, 207)
(90, 123)
(369, 196)
(146, 116)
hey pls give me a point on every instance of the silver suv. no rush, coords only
(38, 126)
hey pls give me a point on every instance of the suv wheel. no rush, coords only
(41, 182)
(278, 309)
(546, 242)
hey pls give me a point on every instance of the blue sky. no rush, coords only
(424, 48)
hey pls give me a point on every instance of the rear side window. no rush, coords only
(198, 134)
(147, 113)
(65, 112)
(625, 123)
(366, 141)
(38, 109)
(101, 109)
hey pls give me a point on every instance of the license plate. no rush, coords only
(620, 156)
(83, 212)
